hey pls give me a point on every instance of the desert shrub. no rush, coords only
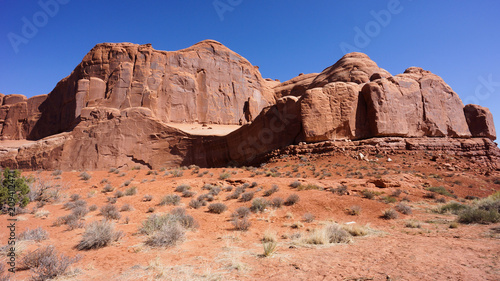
(269, 248)
(168, 229)
(254, 184)
(108, 188)
(182, 188)
(147, 198)
(295, 184)
(99, 234)
(150, 210)
(177, 173)
(74, 197)
(413, 224)
(42, 214)
(440, 199)
(21, 190)
(241, 212)
(241, 223)
(187, 221)
(74, 219)
(38, 234)
(271, 191)
(171, 199)
(125, 208)
(490, 203)
(57, 173)
(168, 236)
(478, 215)
(430, 195)
(452, 207)
(389, 214)
(151, 172)
(441, 190)
(188, 193)
(354, 210)
(85, 176)
(119, 194)
(217, 208)
(43, 192)
(46, 263)
(206, 197)
(269, 236)
(367, 194)
(341, 190)
(336, 234)
(389, 199)
(110, 212)
(80, 211)
(356, 230)
(224, 176)
(154, 223)
(131, 191)
(332, 233)
(309, 187)
(308, 217)
(112, 200)
(397, 193)
(247, 196)
(71, 220)
(292, 200)
(403, 208)
(215, 190)
(277, 202)
(75, 204)
(259, 205)
(195, 203)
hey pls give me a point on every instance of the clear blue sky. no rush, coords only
(458, 40)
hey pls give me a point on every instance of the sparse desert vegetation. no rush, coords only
(284, 217)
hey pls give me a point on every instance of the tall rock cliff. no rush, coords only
(206, 83)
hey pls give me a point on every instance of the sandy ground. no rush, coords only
(205, 130)
(216, 251)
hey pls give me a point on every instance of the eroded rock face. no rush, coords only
(480, 121)
(333, 112)
(296, 86)
(18, 115)
(416, 103)
(206, 83)
(353, 67)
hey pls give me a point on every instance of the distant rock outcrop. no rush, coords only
(114, 109)
(480, 121)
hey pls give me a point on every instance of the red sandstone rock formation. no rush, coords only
(206, 83)
(480, 121)
(113, 108)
